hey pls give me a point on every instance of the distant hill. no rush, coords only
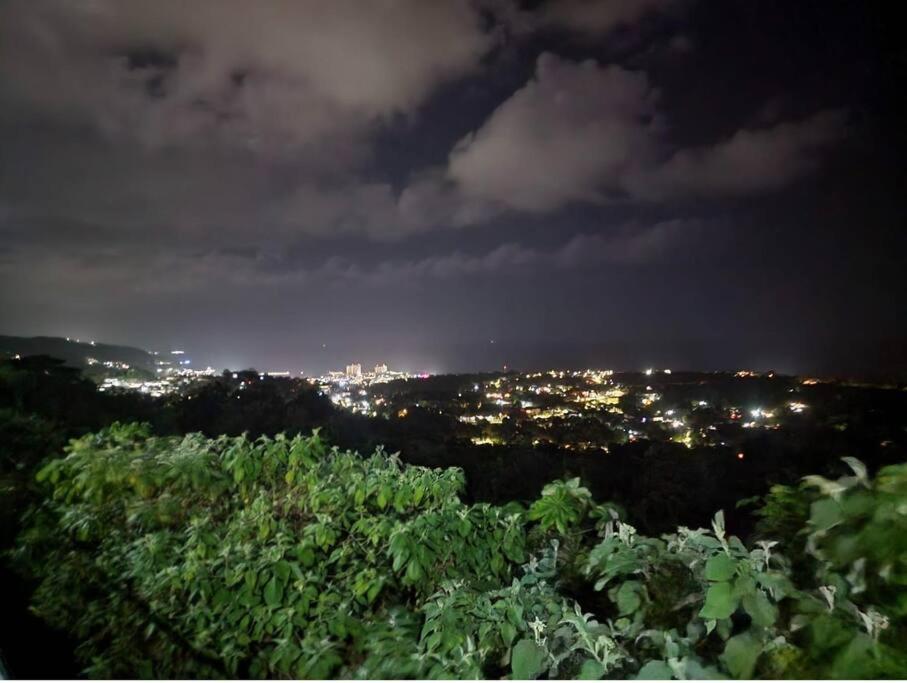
(75, 353)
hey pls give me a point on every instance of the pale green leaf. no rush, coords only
(527, 660)
(719, 602)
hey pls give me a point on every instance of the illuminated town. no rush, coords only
(350, 389)
(588, 410)
(172, 374)
(584, 411)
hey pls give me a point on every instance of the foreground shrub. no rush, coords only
(197, 557)
(190, 557)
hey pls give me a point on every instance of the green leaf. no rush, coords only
(251, 578)
(760, 608)
(222, 597)
(744, 585)
(825, 513)
(719, 602)
(656, 670)
(282, 570)
(628, 600)
(273, 592)
(741, 653)
(508, 633)
(857, 660)
(777, 584)
(414, 571)
(828, 633)
(527, 660)
(373, 591)
(515, 614)
(720, 568)
(591, 670)
(305, 555)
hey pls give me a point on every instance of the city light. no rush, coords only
(500, 409)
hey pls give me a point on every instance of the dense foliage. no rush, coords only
(188, 556)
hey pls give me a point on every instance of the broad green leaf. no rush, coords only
(825, 513)
(373, 591)
(222, 597)
(744, 585)
(656, 670)
(305, 555)
(741, 653)
(515, 614)
(695, 671)
(857, 659)
(628, 600)
(273, 592)
(719, 602)
(760, 608)
(414, 571)
(527, 660)
(282, 570)
(720, 568)
(591, 670)
(829, 633)
(778, 585)
(508, 633)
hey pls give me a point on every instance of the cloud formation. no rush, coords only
(582, 132)
(191, 123)
(571, 134)
(156, 271)
(751, 160)
(594, 17)
(266, 76)
(626, 245)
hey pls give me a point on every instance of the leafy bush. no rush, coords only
(562, 505)
(197, 557)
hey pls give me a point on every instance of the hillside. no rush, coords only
(75, 353)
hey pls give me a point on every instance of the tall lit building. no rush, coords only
(381, 369)
(354, 370)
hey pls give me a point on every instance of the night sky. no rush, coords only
(298, 185)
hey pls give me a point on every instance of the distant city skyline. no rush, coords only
(866, 360)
